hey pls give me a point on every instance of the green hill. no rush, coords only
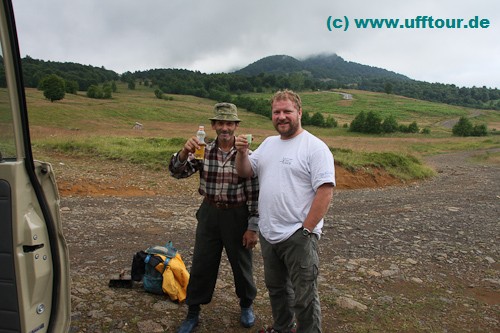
(78, 125)
(314, 73)
(323, 67)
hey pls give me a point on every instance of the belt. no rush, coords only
(222, 204)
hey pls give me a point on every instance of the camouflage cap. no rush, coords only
(226, 112)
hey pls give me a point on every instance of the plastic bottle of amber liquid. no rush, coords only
(200, 153)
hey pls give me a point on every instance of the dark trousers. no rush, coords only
(294, 260)
(218, 229)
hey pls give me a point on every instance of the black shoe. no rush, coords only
(188, 325)
(247, 317)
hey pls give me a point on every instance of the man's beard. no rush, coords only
(292, 129)
(225, 135)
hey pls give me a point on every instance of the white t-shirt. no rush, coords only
(290, 172)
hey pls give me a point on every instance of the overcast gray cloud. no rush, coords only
(223, 35)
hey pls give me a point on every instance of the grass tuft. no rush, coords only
(152, 153)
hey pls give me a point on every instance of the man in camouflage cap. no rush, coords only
(227, 218)
(226, 112)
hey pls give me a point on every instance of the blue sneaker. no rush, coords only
(247, 317)
(188, 325)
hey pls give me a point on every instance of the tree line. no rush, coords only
(81, 76)
(372, 123)
(475, 97)
(221, 86)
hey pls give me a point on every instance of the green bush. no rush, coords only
(413, 127)
(373, 123)
(159, 93)
(72, 86)
(318, 120)
(403, 129)
(358, 123)
(390, 125)
(480, 130)
(104, 92)
(463, 127)
(306, 118)
(330, 122)
(95, 92)
(53, 87)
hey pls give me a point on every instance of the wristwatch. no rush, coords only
(306, 232)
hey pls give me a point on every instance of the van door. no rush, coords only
(34, 269)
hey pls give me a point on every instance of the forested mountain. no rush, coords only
(322, 67)
(334, 72)
(84, 75)
(276, 64)
(325, 67)
(331, 71)
(320, 72)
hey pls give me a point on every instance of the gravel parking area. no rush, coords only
(420, 257)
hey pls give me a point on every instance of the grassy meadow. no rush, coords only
(81, 126)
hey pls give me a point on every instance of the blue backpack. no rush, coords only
(153, 278)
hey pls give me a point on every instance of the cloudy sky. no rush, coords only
(214, 36)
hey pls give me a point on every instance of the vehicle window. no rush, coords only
(7, 143)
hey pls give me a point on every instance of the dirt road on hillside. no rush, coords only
(422, 257)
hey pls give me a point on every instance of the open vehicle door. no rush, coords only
(34, 269)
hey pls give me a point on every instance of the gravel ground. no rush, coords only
(421, 257)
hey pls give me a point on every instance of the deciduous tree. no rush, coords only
(53, 87)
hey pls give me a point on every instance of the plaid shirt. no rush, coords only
(219, 180)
